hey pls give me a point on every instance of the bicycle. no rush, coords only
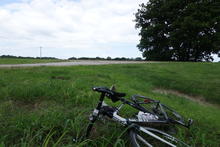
(141, 126)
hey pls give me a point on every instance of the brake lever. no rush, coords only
(113, 88)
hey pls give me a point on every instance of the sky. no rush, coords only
(69, 28)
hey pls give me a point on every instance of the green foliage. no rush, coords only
(179, 29)
(39, 109)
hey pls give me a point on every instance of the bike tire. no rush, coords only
(140, 138)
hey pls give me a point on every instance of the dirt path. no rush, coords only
(73, 63)
(197, 99)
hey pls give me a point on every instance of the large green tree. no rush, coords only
(182, 30)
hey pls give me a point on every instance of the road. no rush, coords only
(73, 63)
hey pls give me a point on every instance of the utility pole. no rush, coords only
(40, 52)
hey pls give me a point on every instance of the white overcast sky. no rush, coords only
(66, 28)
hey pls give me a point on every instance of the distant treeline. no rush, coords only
(108, 58)
(75, 58)
(20, 57)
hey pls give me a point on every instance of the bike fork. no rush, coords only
(89, 128)
(95, 115)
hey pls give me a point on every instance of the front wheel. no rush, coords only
(150, 137)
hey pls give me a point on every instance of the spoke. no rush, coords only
(167, 136)
(144, 141)
(157, 137)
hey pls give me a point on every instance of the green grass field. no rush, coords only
(49, 106)
(26, 61)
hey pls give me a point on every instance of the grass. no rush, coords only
(26, 61)
(49, 106)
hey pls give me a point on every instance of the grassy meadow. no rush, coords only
(26, 61)
(49, 106)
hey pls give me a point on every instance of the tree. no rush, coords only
(179, 30)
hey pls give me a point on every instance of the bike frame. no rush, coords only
(133, 123)
(123, 121)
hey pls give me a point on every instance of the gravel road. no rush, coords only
(73, 63)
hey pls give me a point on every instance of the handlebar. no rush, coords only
(114, 96)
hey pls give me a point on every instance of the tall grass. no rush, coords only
(49, 106)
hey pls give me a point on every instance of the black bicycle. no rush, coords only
(145, 128)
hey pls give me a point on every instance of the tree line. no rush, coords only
(21, 57)
(75, 58)
(108, 58)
